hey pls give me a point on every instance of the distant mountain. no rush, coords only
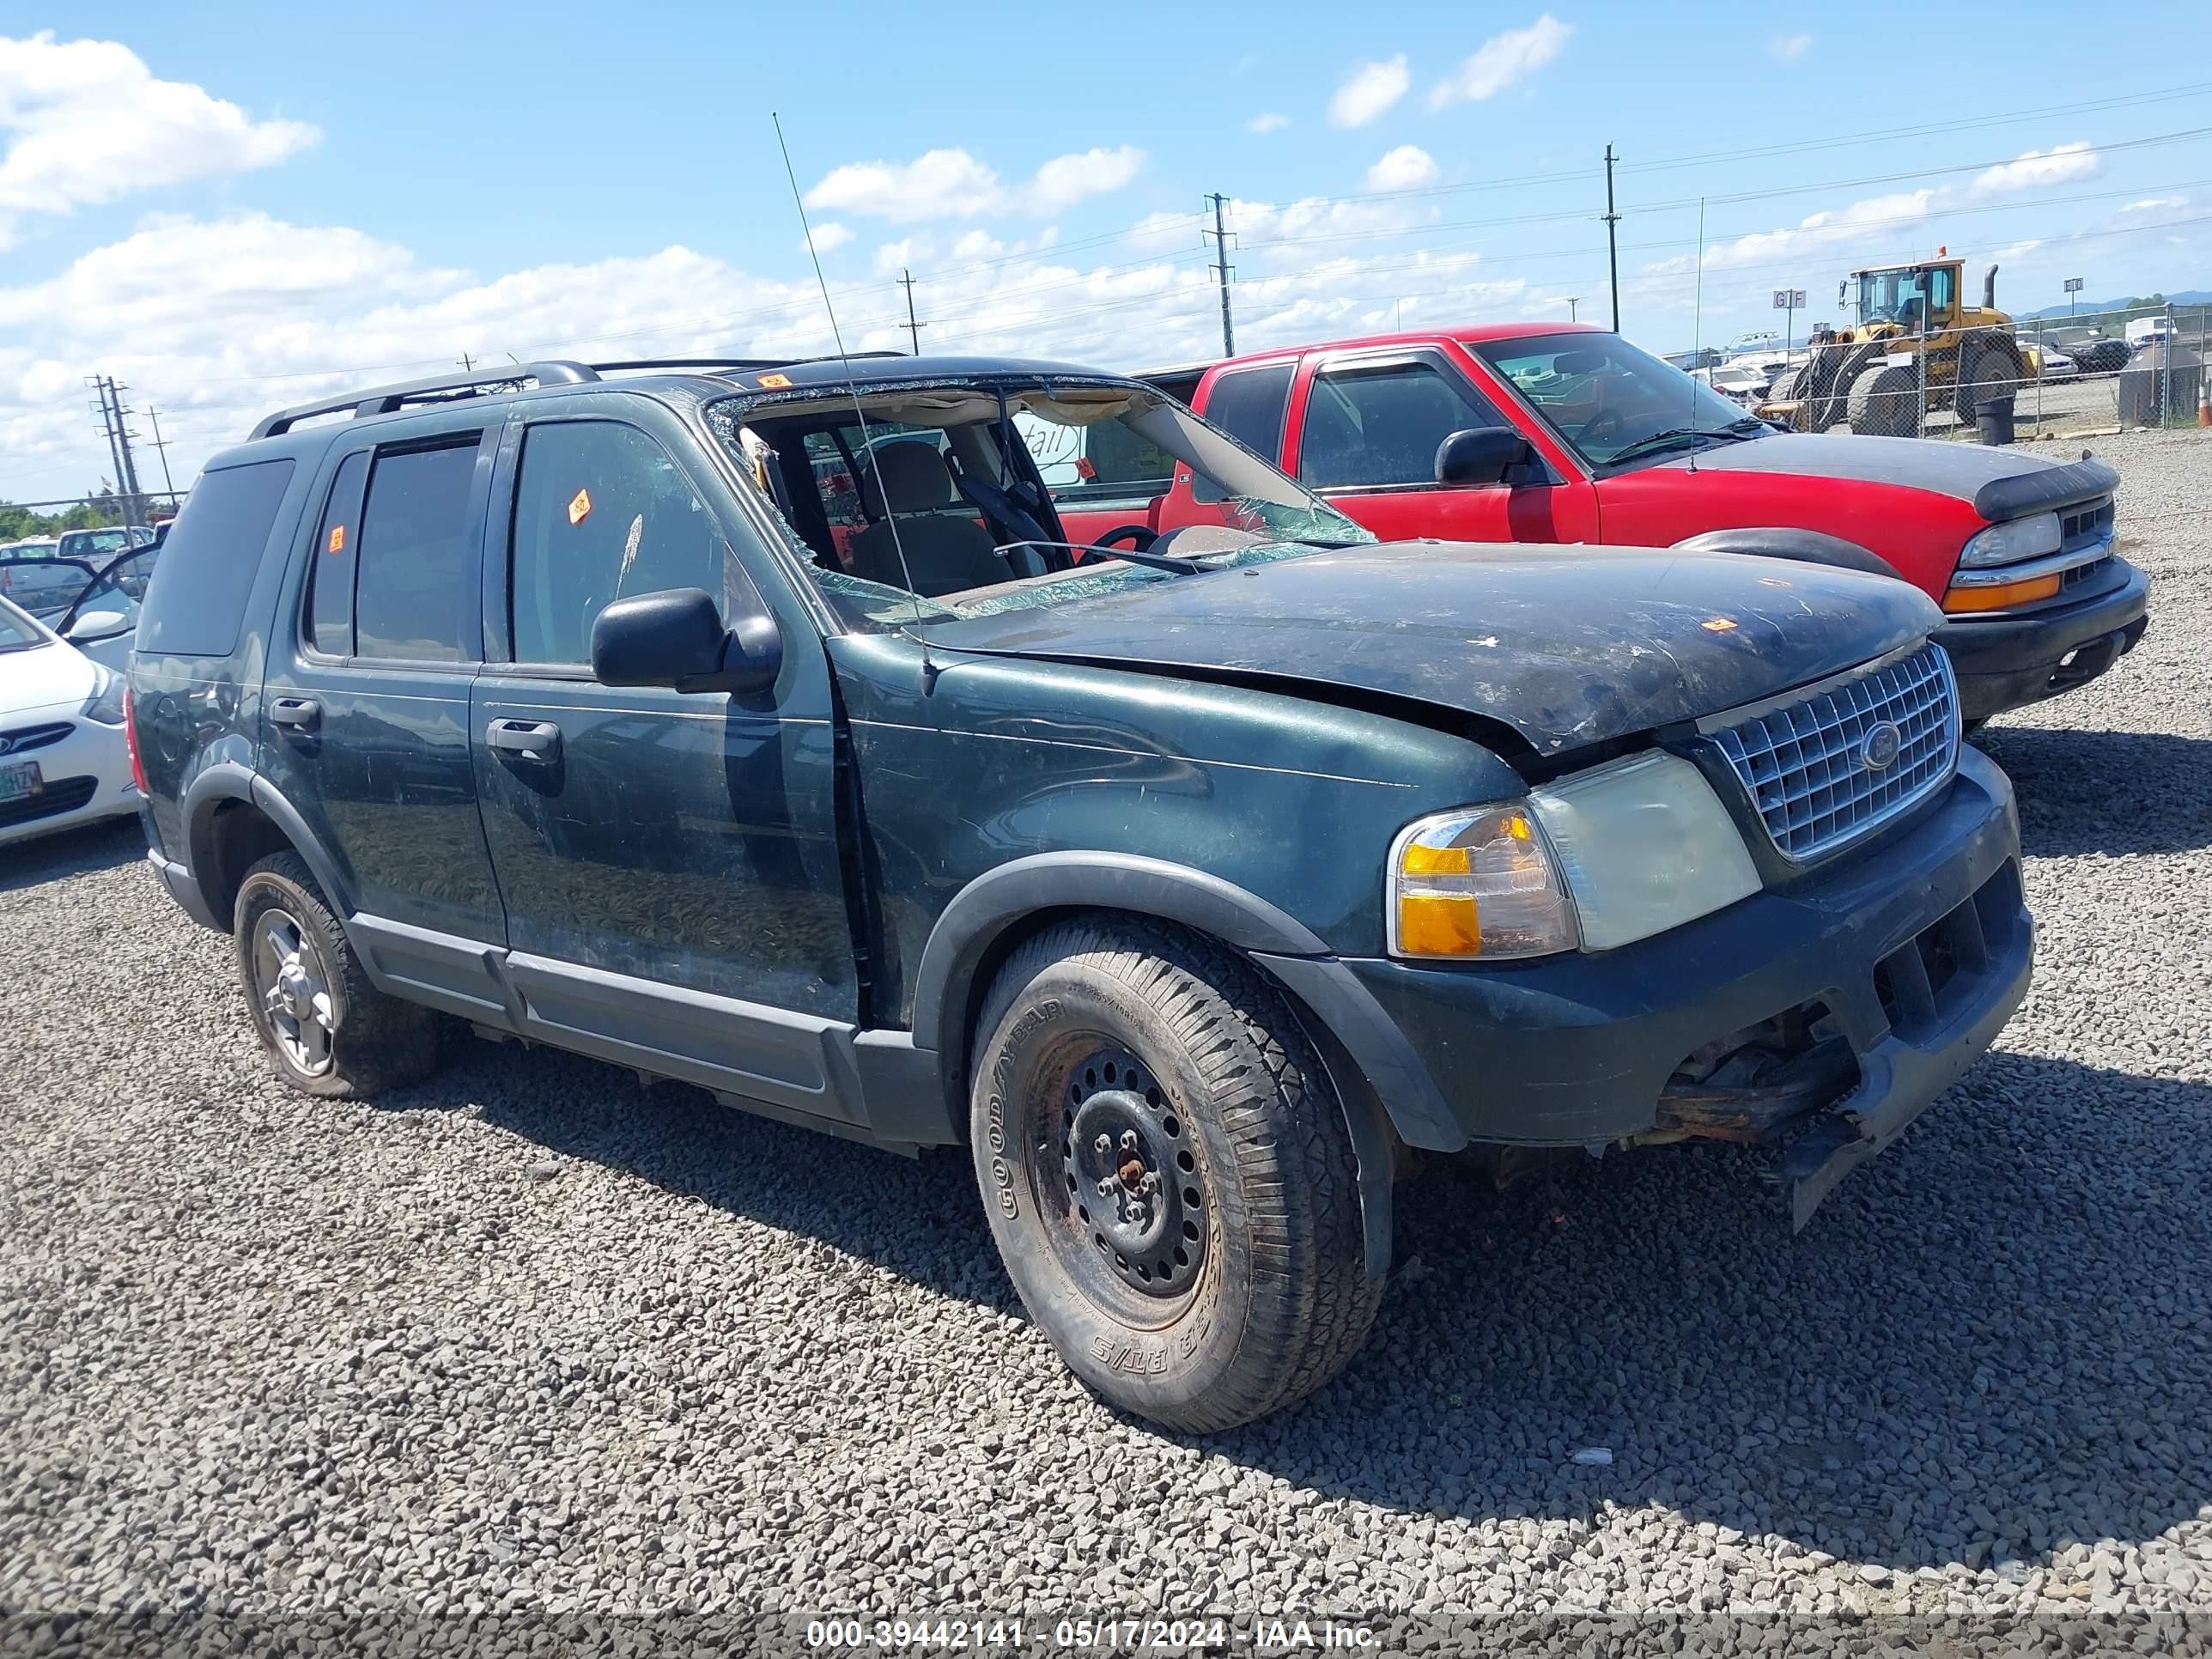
(2195, 296)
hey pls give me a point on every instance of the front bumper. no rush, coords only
(1919, 949)
(2004, 662)
(87, 777)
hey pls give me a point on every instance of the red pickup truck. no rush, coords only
(1537, 432)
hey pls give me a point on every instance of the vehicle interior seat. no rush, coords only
(947, 552)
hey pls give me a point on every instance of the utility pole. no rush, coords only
(99, 384)
(161, 448)
(468, 364)
(913, 328)
(134, 498)
(1612, 239)
(1573, 302)
(1221, 271)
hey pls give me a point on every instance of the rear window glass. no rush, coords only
(1248, 405)
(413, 597)
(209, 562)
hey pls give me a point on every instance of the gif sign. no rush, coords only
(1789, 298)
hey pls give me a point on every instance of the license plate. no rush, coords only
(20, 780)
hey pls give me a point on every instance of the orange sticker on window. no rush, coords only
(338, 539)
(775, 382)
(579, 504)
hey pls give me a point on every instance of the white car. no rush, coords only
(2052, 364)
(65, 759)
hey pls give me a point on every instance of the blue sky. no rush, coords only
(230, 206)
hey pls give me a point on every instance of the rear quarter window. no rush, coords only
(197, 595)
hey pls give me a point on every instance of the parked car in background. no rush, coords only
(102, 621)
(1540, 433)
(2144, 330)
(99, 545)
(1739, 383)
(65, 758)
(1181, 868)
(2094, 353)
(44, 585)
(2052, 364)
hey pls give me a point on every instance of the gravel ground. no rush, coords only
(531, 1337)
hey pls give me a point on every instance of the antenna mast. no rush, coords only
(852, 385)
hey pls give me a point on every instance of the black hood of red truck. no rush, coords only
(1567, 646)
(1999, 483)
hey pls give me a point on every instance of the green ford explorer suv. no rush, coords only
(814, 733)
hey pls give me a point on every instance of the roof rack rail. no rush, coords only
(743, 365)
(384, 399)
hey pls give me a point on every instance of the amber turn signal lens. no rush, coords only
(2000, 596)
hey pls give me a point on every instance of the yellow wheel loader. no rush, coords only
(1916, 345)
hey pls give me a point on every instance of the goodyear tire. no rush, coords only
(328, 1031)
(1827, 382)
(1885, 401)
(1169, 1175)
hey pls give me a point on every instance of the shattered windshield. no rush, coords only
(962, 499)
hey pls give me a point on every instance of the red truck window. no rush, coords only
(1379, 424)
(1248, 404)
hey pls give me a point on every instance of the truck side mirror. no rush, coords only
(677, 638)
(1482, 455)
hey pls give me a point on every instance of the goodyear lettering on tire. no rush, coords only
(1002, 1168)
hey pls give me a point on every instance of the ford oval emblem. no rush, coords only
(1879, 750)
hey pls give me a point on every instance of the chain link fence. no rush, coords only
(2084, 375)
(34, 522)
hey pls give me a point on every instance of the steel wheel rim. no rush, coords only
(292, 985)
(1127, 1223)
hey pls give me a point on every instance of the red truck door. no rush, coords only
(1363, 431)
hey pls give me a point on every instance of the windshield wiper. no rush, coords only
(1677, 434)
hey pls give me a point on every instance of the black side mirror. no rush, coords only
(1483, 455)
(677, 638)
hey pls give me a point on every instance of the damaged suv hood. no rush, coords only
(1566, 647)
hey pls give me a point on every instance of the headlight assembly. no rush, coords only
(1479, 882)
(106, 702)
(2011, 542)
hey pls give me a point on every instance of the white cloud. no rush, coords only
(1876, 217)
(938, 183)
(829, 237)
(85, 122)
(2153, 204)
(950, 184)
(893, 257)
(1790, 47)
(1266, 122)
(1406, 167)
(1501, 60)
(2035, 168)
(1367, 91)
(978, 244)
(217, 321)
(1067, 180)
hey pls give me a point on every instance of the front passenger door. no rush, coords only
(1367, 443)
(668, 860)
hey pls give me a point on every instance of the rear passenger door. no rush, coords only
(1367, 428)
(365, 717)
(669, 863)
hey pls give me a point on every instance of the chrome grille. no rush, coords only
(1804, 763)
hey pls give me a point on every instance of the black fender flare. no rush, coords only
(229, 781)
(983, 912)
(1782, 542)
(1320, 987)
